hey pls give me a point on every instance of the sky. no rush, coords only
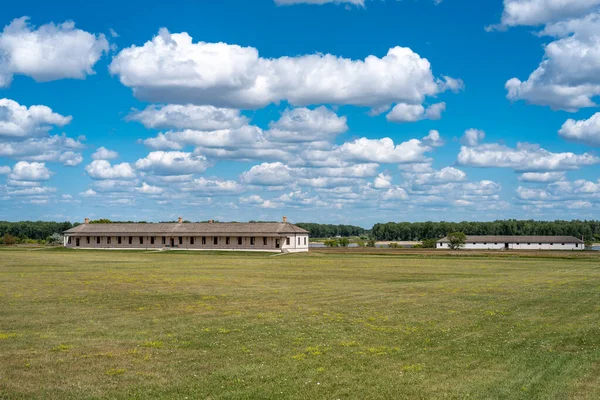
(345, 111)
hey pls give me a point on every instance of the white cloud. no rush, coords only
(202, 118)
(584, 131)
(567, 76)
(538, 12)
(18, 121)
(247, 135)
(101, 169)
(268, 174)
(70, 159)
(49, 52)
(542, 177)
(89, 193)
(433, 139)
(32, 191)
(26, 171)
(212, 186)
(4, 169)
(526, 157)
(382, 181)
(102, 153)
(446, 174)
(172, 68)
(396, 193)
(472, 137)
(415, 112)
(382, 151)
(172, 163)
(305, 125)
(149, 189)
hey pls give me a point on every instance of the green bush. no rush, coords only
(429, 243)
(331, 243)
(343, 242)
(9, 240)
(371, 243)
(394, 246)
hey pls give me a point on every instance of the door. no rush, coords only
(172, 242)
(506, 246)
(77, 242)
(276, 243)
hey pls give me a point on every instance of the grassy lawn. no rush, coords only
(108, 324)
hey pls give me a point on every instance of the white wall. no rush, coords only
(298, 243)
(515, 246)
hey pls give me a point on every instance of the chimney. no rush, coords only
(210, 221)
(179, 220)
(284, 219)
(86, 221)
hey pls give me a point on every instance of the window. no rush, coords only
(528, 244)
(191, 240)
(203, 239)
(130, 239)
(180, 240)
(239, 241)
(164, 240)
(141, 240)
(540, 244)
(97, 239)
(265, 241)
(298, 241)
(287, 241)
(151, 239)
(495, 243)
(563, 244)
(87, 239)
(484, 244)
(252, 241)
(227, 240)
(305, 240)
(551, 244)
(216, 240)
(119, 240)
(108, 240)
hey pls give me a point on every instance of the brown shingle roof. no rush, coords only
(518, 239)
(232, 228)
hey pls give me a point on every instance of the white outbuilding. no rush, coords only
(517, 243)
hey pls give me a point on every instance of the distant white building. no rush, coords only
(517, 243)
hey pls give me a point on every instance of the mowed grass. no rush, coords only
(109, 324)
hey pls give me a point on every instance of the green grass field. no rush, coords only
(109, 324)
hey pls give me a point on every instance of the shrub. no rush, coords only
(360, 243)
(371, 243)
(55, 239)
(331, 243)
(343, 242)
(9, 239)
(393, 245)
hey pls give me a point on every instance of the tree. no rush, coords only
(331, 243)
(9, 239)
(457, 240)
(371, 243)
(429, 243)
(55, 239)
(589, 244)
(343, 242)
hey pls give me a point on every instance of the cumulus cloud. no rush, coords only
(149, 189)
(446, 174)
(396, 193)
(102, 169)
(172, 163)
(268, 174)
(415, 112)
(382, 151)
(567, 77)
(211, 187)
(5, 169)
(172, 68)
(89, 193)
(102, 153)
(472, 137)
(538, 12)
(382, 181)
(584, 131)
(247, 135)
(525, 157)
(433, 139)
(305, 125)
(18, 121)
(203, 118)
(49, 52)
(26, 171)
(541, 177)
(561, 194)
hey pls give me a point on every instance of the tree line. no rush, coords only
(390, 231)
(589, 230)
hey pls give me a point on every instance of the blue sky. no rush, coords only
(355, 111)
